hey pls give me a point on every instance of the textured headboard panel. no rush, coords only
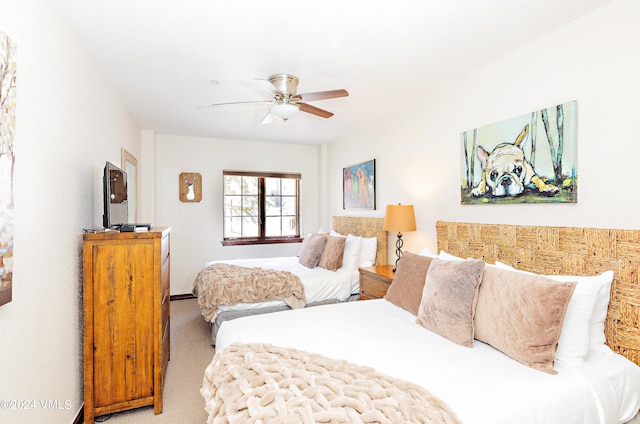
(364, 227)
(563, 250)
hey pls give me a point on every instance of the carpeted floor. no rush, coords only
(191, 352)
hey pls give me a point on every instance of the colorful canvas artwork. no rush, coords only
(528, 159)
(359, 186)
(7, 160)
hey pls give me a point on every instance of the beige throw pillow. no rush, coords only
(407, 285)
(312, 250)
(522, 315)
(449, 299)
(332, 254)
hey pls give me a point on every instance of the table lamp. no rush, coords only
(399, 218)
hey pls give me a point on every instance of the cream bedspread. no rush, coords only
(226, 284)
(248, 383)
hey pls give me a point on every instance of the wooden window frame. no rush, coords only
(262, 238)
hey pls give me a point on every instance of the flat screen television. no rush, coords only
(115, 196)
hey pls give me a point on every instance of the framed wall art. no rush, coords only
(130, 166)
(7, 160)
(190, 187)
(359, 186)
(528, 159)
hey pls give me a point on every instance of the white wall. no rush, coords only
(196, 228)
(69, 122)
(594, 60)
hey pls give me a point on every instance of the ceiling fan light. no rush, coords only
(284, 110)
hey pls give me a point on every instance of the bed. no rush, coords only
(321, 286)
(477, 384)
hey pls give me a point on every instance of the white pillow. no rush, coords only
(449, 256)
(599, 289)
(368, 251)
(351, 252)
(427, 252)
(597, 339)
(583, 326)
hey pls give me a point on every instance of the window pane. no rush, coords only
(250, 227)
(250, 206)
(288, 226)
(272, 186)
(233, 206)
(288, 186)
(250, 185)
(273, 205)
(232, 184)
(232, 227)
(273, 226)
(288, 206)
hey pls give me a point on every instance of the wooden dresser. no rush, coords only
(126, 320)
(375, 281)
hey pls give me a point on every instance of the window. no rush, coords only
(261, 208)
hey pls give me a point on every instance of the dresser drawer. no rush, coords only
(165, 248)
(165, 305)
(164, 277)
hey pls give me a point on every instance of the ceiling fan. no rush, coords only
(286, 103)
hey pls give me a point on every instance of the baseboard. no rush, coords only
(181, 296)
(79, 419)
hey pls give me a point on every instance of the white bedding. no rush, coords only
(480, 384)
(319, 283)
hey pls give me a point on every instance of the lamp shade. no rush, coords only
(399, 218)
(284, 110)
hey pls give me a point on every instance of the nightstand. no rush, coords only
(375, 281)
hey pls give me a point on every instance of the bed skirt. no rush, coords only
(229, 315)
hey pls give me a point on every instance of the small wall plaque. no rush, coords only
(190, 184)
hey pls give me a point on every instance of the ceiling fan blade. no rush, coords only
(268, 118)
(237, 103)
(259, 86)
(322, 95)
(315, 110)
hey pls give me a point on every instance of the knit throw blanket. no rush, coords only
(261, 383)
(226, 284)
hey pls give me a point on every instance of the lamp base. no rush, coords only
(399, 244)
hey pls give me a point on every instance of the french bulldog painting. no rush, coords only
(506, 172)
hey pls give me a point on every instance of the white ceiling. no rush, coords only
(162, 54)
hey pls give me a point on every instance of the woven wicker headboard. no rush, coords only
(364, 227)
(568, 251)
